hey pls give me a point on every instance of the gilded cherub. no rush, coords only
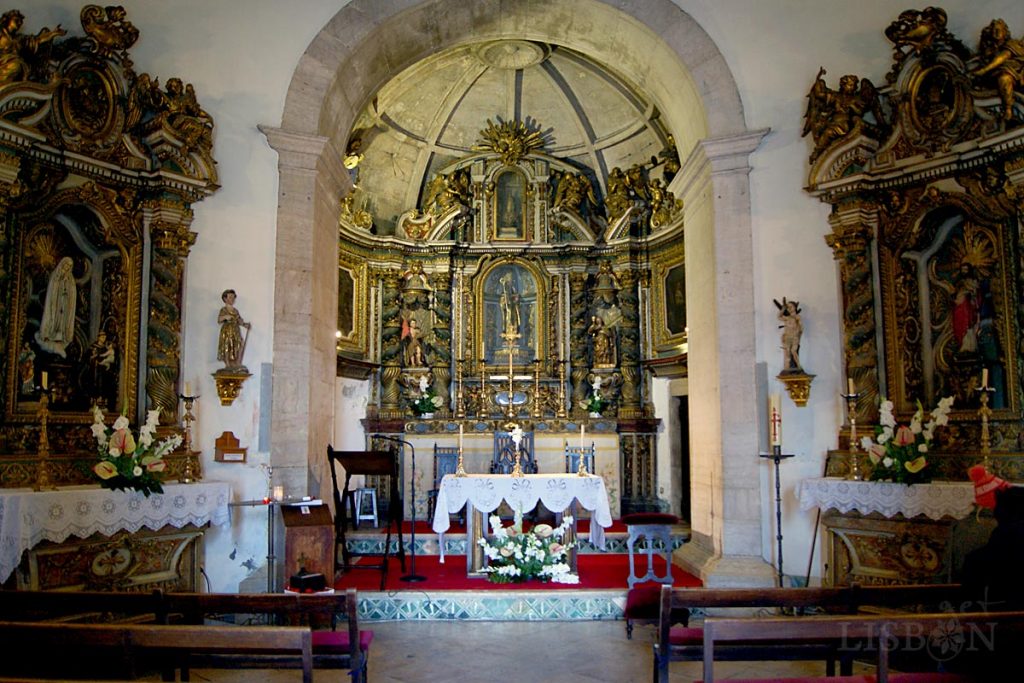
(834, 114)
(16, 47)
(1002, 63)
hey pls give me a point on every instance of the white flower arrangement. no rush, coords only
(514, 556)
(428, 401)
(899, 452)
(127, 463)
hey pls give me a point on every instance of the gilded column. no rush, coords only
(390, 344)
(168, 224)
(440, 347)
(629, 346)
(578, 340)
(853, 226)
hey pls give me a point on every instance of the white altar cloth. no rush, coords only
(485, 492)
(934, 500)
(29, 517)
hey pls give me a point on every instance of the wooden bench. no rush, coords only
(134, 647)
(346, 648)
(860, 634)
(687, 643)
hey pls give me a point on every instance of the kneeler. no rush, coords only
(643, 598)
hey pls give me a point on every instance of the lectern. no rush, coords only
(374, 463)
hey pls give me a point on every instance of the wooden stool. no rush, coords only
(367, 493)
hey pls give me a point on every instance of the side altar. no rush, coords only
(89, 537)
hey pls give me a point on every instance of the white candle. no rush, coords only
(984, 378)
(775, 420)
(188, 388)
(850, 389)
(278, 493)
(460, 437)
(46, 380)
(582, 432)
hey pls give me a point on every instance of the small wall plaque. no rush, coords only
(228, 450)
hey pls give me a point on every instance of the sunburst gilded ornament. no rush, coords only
(511, 140)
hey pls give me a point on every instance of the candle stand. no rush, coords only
(986, 441)
(851, 411)
(777, 456)
(43, 480)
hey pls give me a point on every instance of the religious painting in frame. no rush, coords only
(670, 302)
(351, 305)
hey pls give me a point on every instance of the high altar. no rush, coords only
(514, 298)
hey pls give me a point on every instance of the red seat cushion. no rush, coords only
(643, 602)
(649, 518)
(686, 635)
(336, 642)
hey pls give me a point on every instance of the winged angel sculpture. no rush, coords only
(834, 114)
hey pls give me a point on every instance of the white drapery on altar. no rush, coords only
(485, 492)
(30, 517)
(934, 500)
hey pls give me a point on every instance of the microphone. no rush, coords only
(412, 575)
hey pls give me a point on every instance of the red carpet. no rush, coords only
(597, 571)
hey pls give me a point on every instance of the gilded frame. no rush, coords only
(352, 301)
(481, 303)
(669, 287)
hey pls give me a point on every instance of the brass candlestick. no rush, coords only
(985, 412)
(187, 474)
(483, 388)
(517, 468)
(536, 388)
(581, 469)
(851, 411)
(561, 390)
(460, 403)
(460, 470)
(43, 481)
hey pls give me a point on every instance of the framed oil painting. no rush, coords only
(670, 303)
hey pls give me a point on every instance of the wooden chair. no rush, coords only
(446, 461)
(380, 463)
(503, 459)
(651, 529)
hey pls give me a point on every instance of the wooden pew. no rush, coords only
(157, 646)
(687, 643)
(860, 634)
(346, 648)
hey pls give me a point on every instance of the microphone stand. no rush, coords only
(412, 576)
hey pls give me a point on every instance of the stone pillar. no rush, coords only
(726, 484)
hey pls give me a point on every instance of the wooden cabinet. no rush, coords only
(308, 540)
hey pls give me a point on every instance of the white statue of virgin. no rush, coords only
(57, 328)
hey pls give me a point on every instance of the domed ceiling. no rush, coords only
(432, 114)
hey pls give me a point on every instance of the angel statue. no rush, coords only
(834, 114)
(792, 329)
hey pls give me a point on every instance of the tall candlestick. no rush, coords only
(775, 419)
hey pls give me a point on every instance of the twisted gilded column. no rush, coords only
(440, 349)
(854, 223)
(390, 344)
(578, 341)
(629, 346)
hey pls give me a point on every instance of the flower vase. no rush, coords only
(426, 416)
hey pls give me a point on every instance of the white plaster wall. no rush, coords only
(240, 56)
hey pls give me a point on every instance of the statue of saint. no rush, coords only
(792, 330)
(230, 345)
(1003, 63)
(604, 342)
(509, 303)
(57, 328)
(412, 335)
(15, 47)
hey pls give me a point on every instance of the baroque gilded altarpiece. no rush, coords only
(925, 177)
(99, 168)
(512, 291)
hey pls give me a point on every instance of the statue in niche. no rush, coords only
(509, 324)
(603, 339)
(102, 356)
(965, 309)
(231, 344)
(1002, 63)
(508, 300)
(15, 47)
(792, 329)
(57, 328)
(510, 193)
(833, 114)
(412, 343)
(27, 369)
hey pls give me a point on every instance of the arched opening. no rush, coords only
(660, 48)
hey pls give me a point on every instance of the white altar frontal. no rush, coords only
(48, 523)
(484, 493)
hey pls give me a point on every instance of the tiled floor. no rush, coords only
(517, 652)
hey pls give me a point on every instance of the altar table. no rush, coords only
(484, 493)
(29, 517)
(879, 532)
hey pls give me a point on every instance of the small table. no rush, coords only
(485, 492)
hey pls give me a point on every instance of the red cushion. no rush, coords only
(643, 602)
(686, 635)
(649, 518)
(336, 642)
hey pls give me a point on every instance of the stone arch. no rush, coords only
(659, 47)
